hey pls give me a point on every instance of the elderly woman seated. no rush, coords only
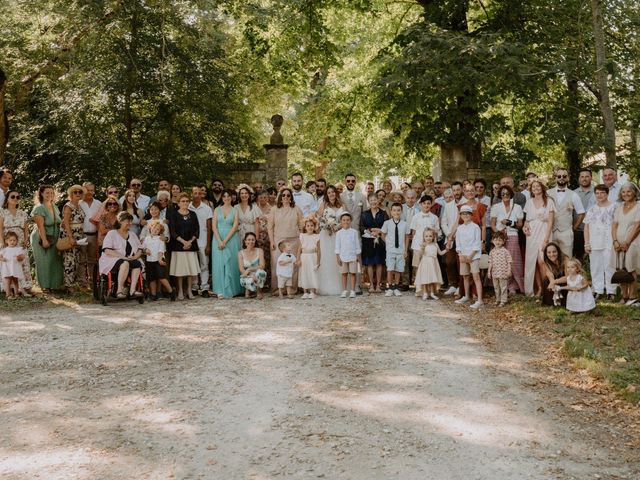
(121, 255)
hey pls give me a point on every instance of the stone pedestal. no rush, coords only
(452, 164)
(277, 163)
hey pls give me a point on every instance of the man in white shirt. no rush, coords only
(303, 200)
(570, 212)
(142, 201)
(610, 179)
(88, 252)
(204, 214)
(5, 184)
(355, 203)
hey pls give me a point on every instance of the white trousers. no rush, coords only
(204, 271)
(601, 271)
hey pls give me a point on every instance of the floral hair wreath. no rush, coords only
(244, 185)
(311, 218)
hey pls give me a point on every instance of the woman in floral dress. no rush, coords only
(72, 227)
(14, 219)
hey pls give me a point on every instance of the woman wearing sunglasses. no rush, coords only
(73, 229)
(15, 219)
(106, 218)
(284, 224)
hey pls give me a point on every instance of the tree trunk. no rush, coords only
(129, 88)
(4, 121)
(462, 152)
(321, 168)
(603, 86)
(572, 152)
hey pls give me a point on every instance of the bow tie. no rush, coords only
(563, 190)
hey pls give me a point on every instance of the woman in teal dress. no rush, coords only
(225, 248)
(43, 240)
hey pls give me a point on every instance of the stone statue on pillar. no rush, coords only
(276, 153)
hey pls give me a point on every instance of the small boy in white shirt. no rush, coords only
(154, 248)
(284, 269)
(348, 254)
(395, 234)
(469, 248)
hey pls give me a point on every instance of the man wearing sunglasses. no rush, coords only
(5, 183)
(217, 186)
(355, 203)
(570, 212)
(142, 201)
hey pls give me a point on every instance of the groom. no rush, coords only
(355, 203)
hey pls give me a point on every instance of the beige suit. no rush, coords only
(355, 203)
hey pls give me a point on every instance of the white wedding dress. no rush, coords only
(330, 278)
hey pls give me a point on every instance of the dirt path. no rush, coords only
(371, 388)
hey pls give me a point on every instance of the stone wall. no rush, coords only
(267, 172)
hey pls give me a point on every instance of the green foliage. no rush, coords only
(158, 69)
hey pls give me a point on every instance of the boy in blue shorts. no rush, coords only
(395, 233)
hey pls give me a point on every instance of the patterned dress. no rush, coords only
(71, 258)
(256, 279)
(15, 223)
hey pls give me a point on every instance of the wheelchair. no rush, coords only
(107, 286)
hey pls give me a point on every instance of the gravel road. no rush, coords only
(371, 388)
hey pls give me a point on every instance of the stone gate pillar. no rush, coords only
(276, 153)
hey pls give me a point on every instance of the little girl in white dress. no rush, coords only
(579, 296)
(11, 258)
(309, 258)
(428, 275)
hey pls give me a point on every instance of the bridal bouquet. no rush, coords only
(328, 222)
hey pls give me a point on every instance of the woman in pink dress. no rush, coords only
(540, 211)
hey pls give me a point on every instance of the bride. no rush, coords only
(329, 217)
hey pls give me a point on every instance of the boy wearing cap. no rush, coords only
(469, 248)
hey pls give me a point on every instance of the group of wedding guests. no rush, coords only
(326, 239)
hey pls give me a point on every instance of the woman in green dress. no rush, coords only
(224, 251)
(46, 216)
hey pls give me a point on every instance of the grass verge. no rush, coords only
(604, 342)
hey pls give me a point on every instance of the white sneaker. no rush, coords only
(352, 294)
(305, 296)
(462, 300)
(434, 296)
(388, 293)
(343, 294)
(425, 296)
(477, 305)
(451, 291)
(312, 295)
(397, 293)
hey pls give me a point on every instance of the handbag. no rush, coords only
(621, 275)
(51, 239)
(64, 244)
